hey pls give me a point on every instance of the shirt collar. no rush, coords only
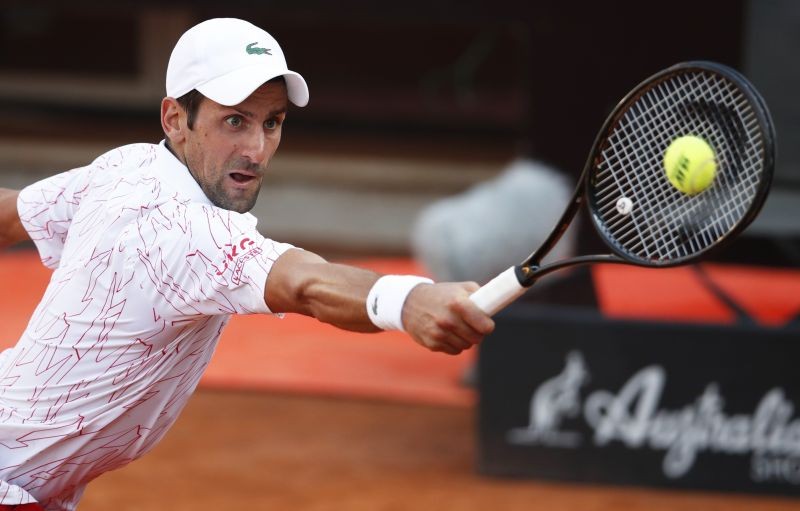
(177, 175)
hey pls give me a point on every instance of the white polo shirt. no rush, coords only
(146, 274)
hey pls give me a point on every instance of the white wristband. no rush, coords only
(386, 298)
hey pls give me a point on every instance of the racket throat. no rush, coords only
(526, 274)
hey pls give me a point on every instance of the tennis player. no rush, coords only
(152, 249)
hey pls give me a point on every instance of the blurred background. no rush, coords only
(411, 103)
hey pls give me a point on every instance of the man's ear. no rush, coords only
(173, 120)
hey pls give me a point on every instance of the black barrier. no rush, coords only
(569, 395)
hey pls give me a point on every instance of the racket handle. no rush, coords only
(498, 292)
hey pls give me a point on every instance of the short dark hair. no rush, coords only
(190, 101)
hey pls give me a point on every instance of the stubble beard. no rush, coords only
(221, 197)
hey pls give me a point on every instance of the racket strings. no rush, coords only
(665, 213)
(666, 224)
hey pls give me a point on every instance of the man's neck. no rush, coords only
(170, 149)
(183, 161)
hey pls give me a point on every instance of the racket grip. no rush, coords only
(498, 292)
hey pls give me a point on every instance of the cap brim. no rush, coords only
(233, 88)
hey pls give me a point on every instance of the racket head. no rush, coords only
(664, 226)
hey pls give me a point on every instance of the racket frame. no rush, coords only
(531, 269)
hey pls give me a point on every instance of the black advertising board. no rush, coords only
(566, 394)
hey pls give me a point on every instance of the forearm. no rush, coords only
(305, 283)
(338, 295)
(440, 317)
(11, 229)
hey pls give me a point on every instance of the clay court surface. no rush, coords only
(293, 414)
(274, 451)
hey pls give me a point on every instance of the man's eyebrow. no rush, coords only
(251, 115)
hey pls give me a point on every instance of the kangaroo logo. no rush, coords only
(554, 400)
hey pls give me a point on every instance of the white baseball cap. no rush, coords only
(226, 59)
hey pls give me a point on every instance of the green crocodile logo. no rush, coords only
(252, 49)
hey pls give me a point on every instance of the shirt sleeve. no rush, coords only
(246, 274)
(46, 209)
(220, 266)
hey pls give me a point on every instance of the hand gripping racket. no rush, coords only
(638, 213)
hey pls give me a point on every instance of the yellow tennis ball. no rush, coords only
(690, 164)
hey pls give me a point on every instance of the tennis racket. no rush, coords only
(642, 218)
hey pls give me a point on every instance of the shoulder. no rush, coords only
(220, 226)
(181, 231)
(128, 155)
(195, 226)
(227, 243)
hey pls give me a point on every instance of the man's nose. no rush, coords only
(257, 148)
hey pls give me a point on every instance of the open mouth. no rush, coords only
(241, 178)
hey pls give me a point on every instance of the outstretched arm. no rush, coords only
(438, 316)
(11, 230)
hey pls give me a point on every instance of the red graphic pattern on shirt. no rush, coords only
(146, 276)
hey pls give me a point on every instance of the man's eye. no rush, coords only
(271, 124)
(234, 121)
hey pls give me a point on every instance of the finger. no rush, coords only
(452, 339)
(470, 287)
(450, 350)
(457, 345)
(443, 347)
(460, 343)
(463, 335)
(455, 330)
(445, 338)
(478, 321)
